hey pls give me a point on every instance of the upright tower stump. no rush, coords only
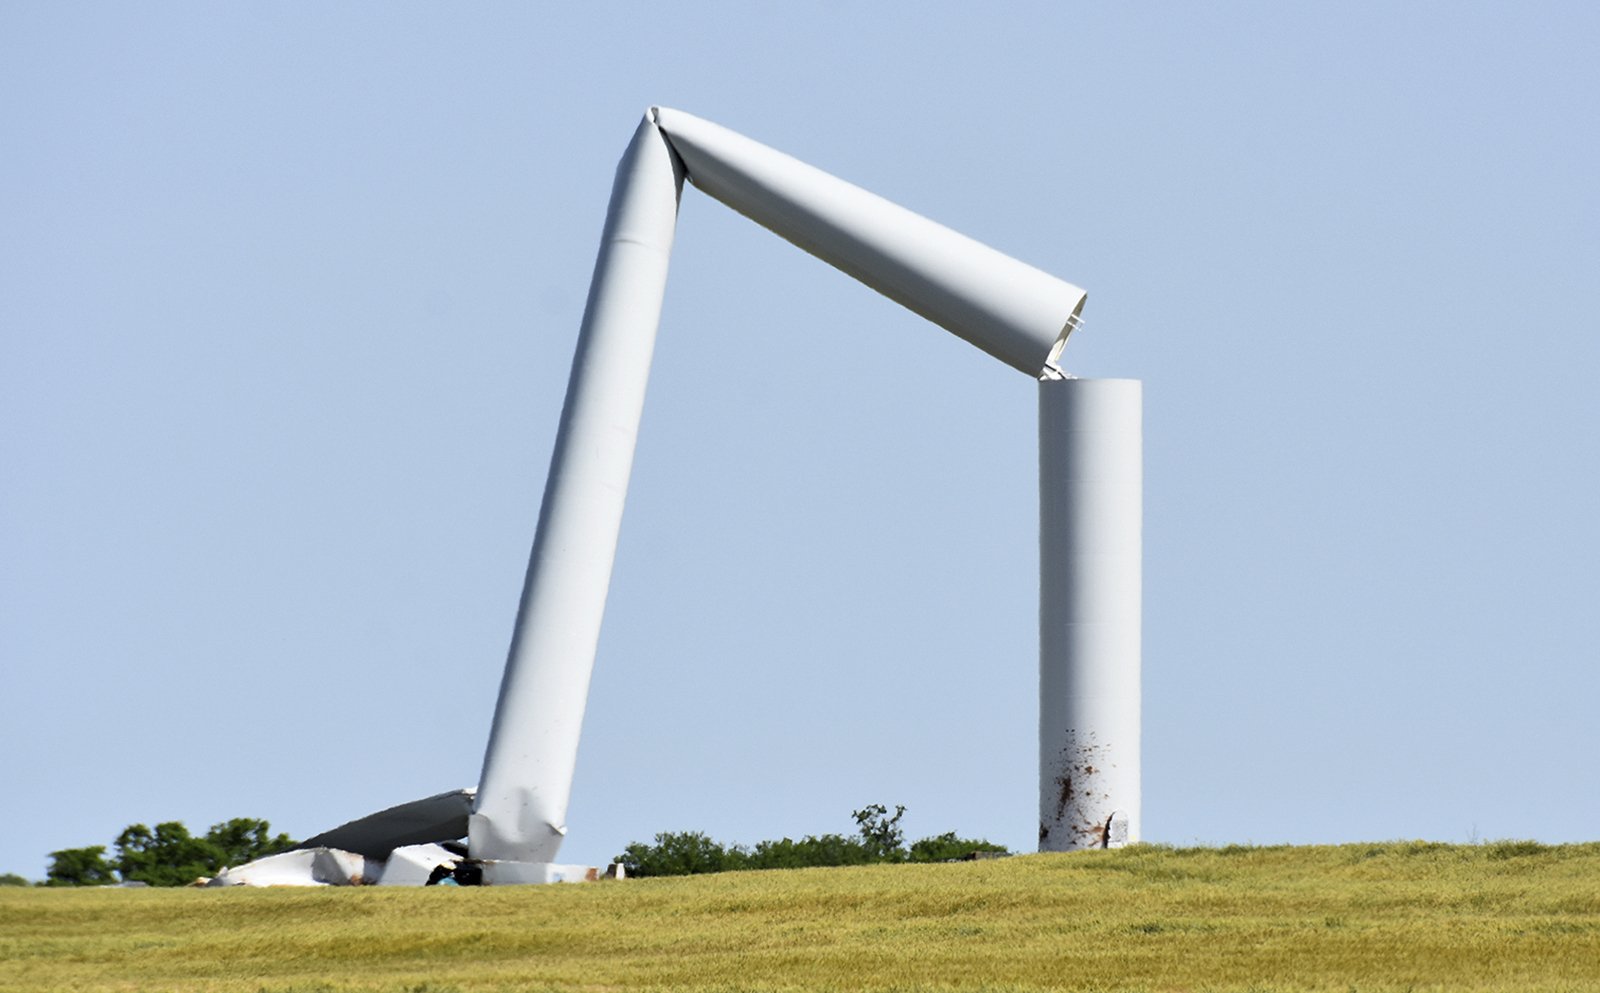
(1091, 482)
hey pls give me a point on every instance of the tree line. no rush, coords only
(878, 838)
(166, 855)
(169, 855)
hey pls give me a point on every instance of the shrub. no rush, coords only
(879, 840)
(948, 848)
(80, 867)
(828, 849)
(675, 853)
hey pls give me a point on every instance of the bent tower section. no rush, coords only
(520, 813)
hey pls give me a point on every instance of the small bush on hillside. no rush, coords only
(80, 867)
(879, 839)
(827, 849)
(675, 853)
(948, 848)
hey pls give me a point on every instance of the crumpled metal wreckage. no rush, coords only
(413, 844)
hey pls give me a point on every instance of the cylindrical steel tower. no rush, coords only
(1090, 521)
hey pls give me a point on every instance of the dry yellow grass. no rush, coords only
(1512, 916)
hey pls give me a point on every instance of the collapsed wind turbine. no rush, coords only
(1090, 495)
(1090, 477)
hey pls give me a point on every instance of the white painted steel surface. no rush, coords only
(1091, 481)
(413, 865)
(294, 868)
(1013, 311)
(520, 811)
(536, 873)
(302, 867)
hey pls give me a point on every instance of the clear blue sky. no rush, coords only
(288, 294)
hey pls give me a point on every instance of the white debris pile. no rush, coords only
(410, 865)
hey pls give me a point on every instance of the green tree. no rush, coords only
(675, 853)
(166, 856)
(245, 839)
(12, 879)
(881, 833)
(80, 867)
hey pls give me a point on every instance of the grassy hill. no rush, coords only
(1396, 916)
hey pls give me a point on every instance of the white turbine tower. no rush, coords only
(1089, 493)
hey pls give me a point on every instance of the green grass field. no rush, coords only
(1396, 916)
